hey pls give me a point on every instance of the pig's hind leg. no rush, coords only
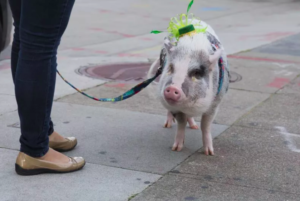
(192, 123)
(206, 123)
(179, 138)
(170, 119)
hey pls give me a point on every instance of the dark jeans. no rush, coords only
(39, 26)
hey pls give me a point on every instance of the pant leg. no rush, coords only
(16, 12)
(42, 23)
(15, 6)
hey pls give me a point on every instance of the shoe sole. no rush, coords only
(25, 172)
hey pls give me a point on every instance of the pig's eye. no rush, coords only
(198, 73)
(171, 69)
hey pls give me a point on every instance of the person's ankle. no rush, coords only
(54, 156)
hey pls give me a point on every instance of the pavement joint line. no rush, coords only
(265, 45)
(251, 110)
(152, 184)
(83, 90)
(277, 92)
(259, 128)
(260, 59)
(177, 165)
(8, 149)
(79, 104)
(5, 113)
(287, 93)
(246, 186)
(138, 170)
(148, 172)
(248, 90)
(7, 94)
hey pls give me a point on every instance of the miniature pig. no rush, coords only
(189, 83)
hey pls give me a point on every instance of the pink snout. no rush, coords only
(172, 93)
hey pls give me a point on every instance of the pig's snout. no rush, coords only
(172, 93)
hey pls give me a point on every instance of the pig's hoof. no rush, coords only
(194, 127)
(168, 123)
(177, 146)
(209, 151)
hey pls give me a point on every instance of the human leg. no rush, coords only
(39, 26)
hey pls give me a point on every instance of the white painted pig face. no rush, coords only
(187, 79)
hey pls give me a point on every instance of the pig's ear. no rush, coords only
(213, 59)
(168, 45)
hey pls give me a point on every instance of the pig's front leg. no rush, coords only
(206, 123)
(192, 123)
(170, 119)
(179, 138)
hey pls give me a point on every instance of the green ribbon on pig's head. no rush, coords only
(185, 24)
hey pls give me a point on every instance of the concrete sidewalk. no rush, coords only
(257, 157)
(128, 152)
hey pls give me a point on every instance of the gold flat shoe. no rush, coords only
(27, 165)
(67, 145)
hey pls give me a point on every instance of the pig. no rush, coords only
(189, 83)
